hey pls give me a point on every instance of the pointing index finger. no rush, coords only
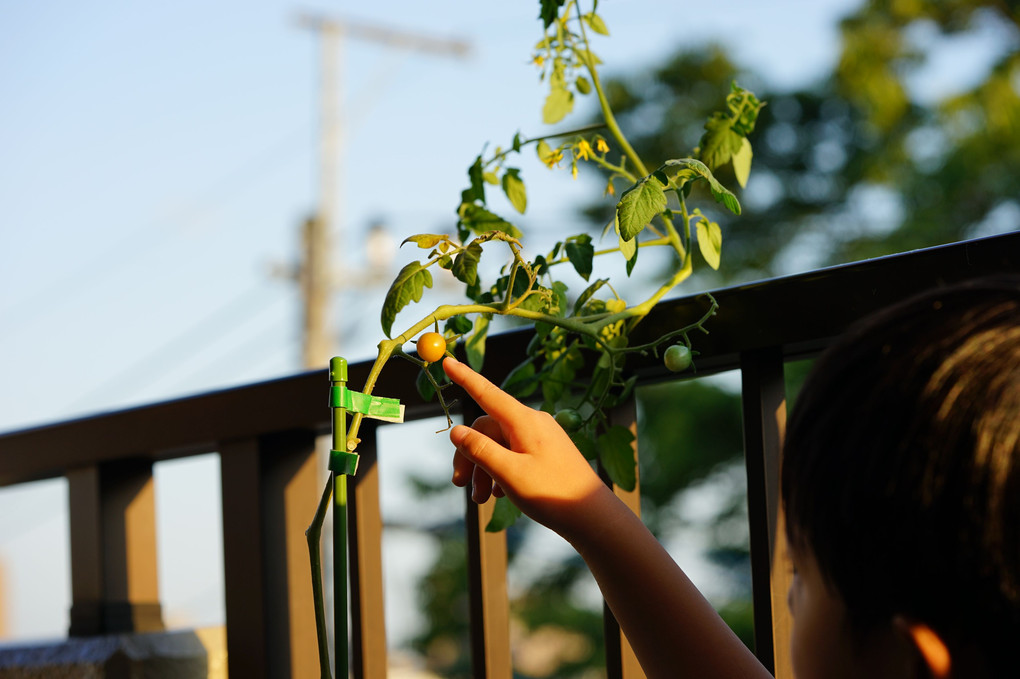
(491, 398)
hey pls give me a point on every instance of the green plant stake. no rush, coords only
(343, 462)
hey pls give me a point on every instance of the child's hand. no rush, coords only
(524, 453)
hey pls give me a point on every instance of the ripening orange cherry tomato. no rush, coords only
(431, 347)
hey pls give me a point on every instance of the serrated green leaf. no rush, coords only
(459, 325)
(475, 344)
(719, 142)
(617, 457)
(548, 11)
(687, 169)
(588, 293)
(477, 189)
(425, 240)
(558, 104)
(710, 242)
(514, 189)
(407, 287)
(742, 162)
(504, 515)
(516, 144)
(581, 252)
(521, 382)
(478, 220)
(490, 178)
(638, 205)
(585, 444)
(465, 264)
(596, 23)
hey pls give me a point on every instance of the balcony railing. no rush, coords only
(265, 435)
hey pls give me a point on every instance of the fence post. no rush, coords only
(487, 587)
(270, 489)
(763, 394)
(621, 663)
(114, 582)
(368, 631)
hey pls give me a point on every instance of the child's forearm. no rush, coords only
(673, 630)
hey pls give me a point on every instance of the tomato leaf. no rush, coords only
(638, 205)
(459, 325)
(465, 265)
(595, 23)
(688, 169)
(549, 10)
(477, 189)
(710, 242)
(719, 142)
(587, 294)
(513, 187)
(617, 457)
(742, 162)
(504, 515)
(475, 345)
(558, 104)
(581, 252)
(521, 381)
(408, 286)
(425, 240)
(478, 220)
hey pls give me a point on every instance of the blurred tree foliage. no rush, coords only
(878, 157)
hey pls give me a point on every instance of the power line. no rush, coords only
(227, 315)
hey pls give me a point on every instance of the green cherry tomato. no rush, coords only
(431, 347)
(677, 358)
(569, 419)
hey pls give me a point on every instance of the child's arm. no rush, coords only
(529, 457)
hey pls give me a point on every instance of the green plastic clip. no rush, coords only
(342, 462)
(375, 407)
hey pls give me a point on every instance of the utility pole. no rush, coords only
(315, 272)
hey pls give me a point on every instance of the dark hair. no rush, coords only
(901, 468)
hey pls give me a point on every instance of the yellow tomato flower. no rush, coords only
(610, 189)
(583, 149)
(601, 146)
(553, 159)
(573, 170)
(539, 60)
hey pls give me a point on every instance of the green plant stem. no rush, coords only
(607, 112)
(313, 535)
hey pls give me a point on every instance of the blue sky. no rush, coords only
(156, 160)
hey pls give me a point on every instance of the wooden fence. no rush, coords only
(265, 435)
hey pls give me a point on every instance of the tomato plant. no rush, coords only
(431, 347)
(582, 337)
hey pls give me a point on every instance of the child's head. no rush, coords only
(901, 471)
